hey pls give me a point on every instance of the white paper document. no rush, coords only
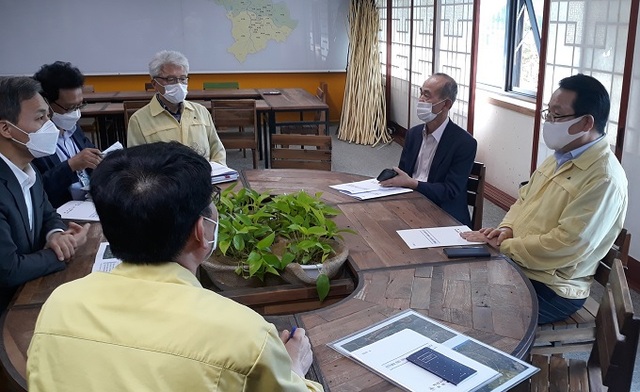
(434, 237)
(114, 147)
(105, 260)
(388, 357)
(221, 173)
(368, 189)
(78, 210)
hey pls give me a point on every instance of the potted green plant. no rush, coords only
(262, 236)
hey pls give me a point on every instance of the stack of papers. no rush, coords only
(78, 211)
(221, 173)
(114, 147)
(368, 189)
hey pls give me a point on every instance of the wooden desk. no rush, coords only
(489, 299)
(290, 100)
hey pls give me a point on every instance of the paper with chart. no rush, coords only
(105, 260)
(511, 370)
(435, 237)
(78, 210)
(368, 189)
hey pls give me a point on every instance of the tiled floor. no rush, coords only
(369, 161)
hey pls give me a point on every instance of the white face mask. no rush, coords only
(424, 110)
(66, 121)
(175, 93)
(214, 242)
(42, 142)
(556, 134)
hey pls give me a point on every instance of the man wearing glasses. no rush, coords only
(438, 155)
(569, 214)
(169, 116)
(148, 325)
(66, 173)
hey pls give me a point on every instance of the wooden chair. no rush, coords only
(131, 107)
(578, 332)
(241, 115)
(475, 194)
(610, 364)
(149, 87)
(301, 152)
(311, 129)
(89, 124)
(219, 85)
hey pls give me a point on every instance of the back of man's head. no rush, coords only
(591, 98)
(149, 198)
(57, 76)
(14, 90)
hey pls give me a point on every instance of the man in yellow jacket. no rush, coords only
(149, 325)
(571, 211)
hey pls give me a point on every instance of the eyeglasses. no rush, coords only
(547, 116)
(174, 80)
(71, 109)
(215, 232)
(215, 196)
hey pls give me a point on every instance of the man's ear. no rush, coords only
(5, 129)
(587, 123)
(198, 233)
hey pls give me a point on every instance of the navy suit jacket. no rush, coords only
(22, 253)
(58, 176)
(446, 185)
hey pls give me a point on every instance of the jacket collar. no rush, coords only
(169, 272)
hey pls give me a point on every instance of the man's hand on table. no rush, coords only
(64, 243)
(491, 236)
(402, 180)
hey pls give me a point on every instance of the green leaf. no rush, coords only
(317, 230)
(322, 286)
(224, 246)
(271, 260)
(254, 265)
(286, 259)
(238, 242)
(266, 242)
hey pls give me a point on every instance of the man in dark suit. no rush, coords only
(33, 239)
(66, 173)
(438, 155)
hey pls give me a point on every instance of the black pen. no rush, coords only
(293, 330)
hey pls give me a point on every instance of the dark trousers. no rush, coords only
(551, 306)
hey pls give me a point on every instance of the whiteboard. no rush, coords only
(120, 36)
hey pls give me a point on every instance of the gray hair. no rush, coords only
(164, 57)
(14, 90)
(450, 89)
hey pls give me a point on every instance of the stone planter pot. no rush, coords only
(307, 274)
(222, 271)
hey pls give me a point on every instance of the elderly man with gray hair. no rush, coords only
(169, 117)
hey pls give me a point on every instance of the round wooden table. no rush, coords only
(488, 299)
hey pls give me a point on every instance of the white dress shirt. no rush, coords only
(427, 151)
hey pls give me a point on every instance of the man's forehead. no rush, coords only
(34, 104)
(173, 69)
(562, 98)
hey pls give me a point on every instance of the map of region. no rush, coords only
(254, 23)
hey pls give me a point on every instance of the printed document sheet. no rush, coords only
(78, 211)
(221, 173)
(384, 346)
(368, 189)
(434, 237)
(105, 260)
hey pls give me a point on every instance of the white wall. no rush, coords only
(504, 140)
